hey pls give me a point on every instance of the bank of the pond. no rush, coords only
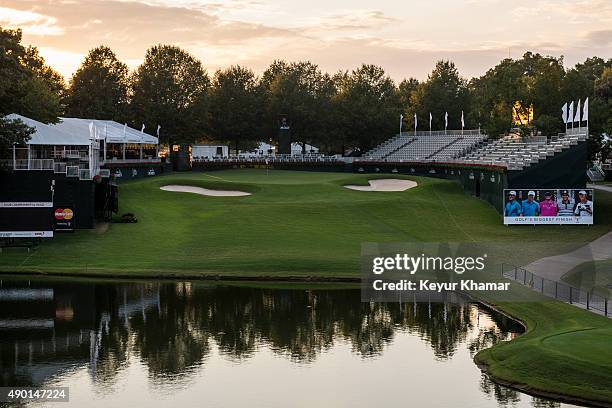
(564, 354)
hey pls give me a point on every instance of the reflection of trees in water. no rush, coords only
(300, 324)
(503, 395)
(172, 327)
(507, 397)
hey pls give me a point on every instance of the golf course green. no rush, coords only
(293, 224)
(308, 225)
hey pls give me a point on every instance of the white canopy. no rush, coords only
(79, 132)
(49, 135)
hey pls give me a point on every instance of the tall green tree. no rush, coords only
(170, 89)
(28, 86)
(235, 108)
(444, 91)
(368, 106)
(12, 132)
(534, 81)
(99, 87)
(302, 92)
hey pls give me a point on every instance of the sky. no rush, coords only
(405, 37)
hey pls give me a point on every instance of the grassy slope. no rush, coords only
(297, 223)
(566, 351)
(596, 275)
(306, 223)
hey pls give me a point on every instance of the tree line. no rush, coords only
(345, 111)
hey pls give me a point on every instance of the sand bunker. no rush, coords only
(204, 191)
(385, 185)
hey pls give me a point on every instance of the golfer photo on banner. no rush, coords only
(551, 206)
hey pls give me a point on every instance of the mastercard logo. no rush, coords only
(63, 214)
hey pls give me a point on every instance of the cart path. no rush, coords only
(554, 267)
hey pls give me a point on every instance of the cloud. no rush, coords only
(30, 22)
(354, 20)
(405, 39)
(599, 38)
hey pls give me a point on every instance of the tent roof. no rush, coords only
(109, 130)
(47, 134)
(75, 131)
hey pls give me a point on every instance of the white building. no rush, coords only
(209, 151)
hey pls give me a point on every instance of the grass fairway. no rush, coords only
(294, 223)
(306, 224)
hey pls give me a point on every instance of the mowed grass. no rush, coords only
(566, 351)
(294, 223)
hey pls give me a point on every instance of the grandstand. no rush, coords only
(427, 146)
(470, 147)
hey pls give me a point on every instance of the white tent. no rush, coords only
(76, 132)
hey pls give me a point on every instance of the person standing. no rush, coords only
(530, 207)
(584, 208)
(565, 205)
(513, 208)
(548, 207)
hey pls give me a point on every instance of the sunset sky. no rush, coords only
(405, 37)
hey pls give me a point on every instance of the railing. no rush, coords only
(72, 171)
(269, 159)
(59, 167)
(465, 132)
(558, 290)
(31, 164)
(131, 161)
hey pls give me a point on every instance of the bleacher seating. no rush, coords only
(426, 147)
(472, 147)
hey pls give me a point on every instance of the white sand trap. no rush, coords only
(204, 191)
(385, 185)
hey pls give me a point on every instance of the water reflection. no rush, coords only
(174, 330)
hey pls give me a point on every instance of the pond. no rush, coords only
(193, 344)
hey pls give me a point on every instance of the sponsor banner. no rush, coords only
(557, 206)
(26, 204)
(64, 218)
(26, 234)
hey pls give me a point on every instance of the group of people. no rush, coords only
(565, 206)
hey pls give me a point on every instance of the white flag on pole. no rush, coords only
(462, 121)
(564, 112)
(401, 122)
(430, 117)
(445, 120)
(570, 114)
(585, 110)
(415, 121)
(158, 128)
(577, 117)
(142, 129)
